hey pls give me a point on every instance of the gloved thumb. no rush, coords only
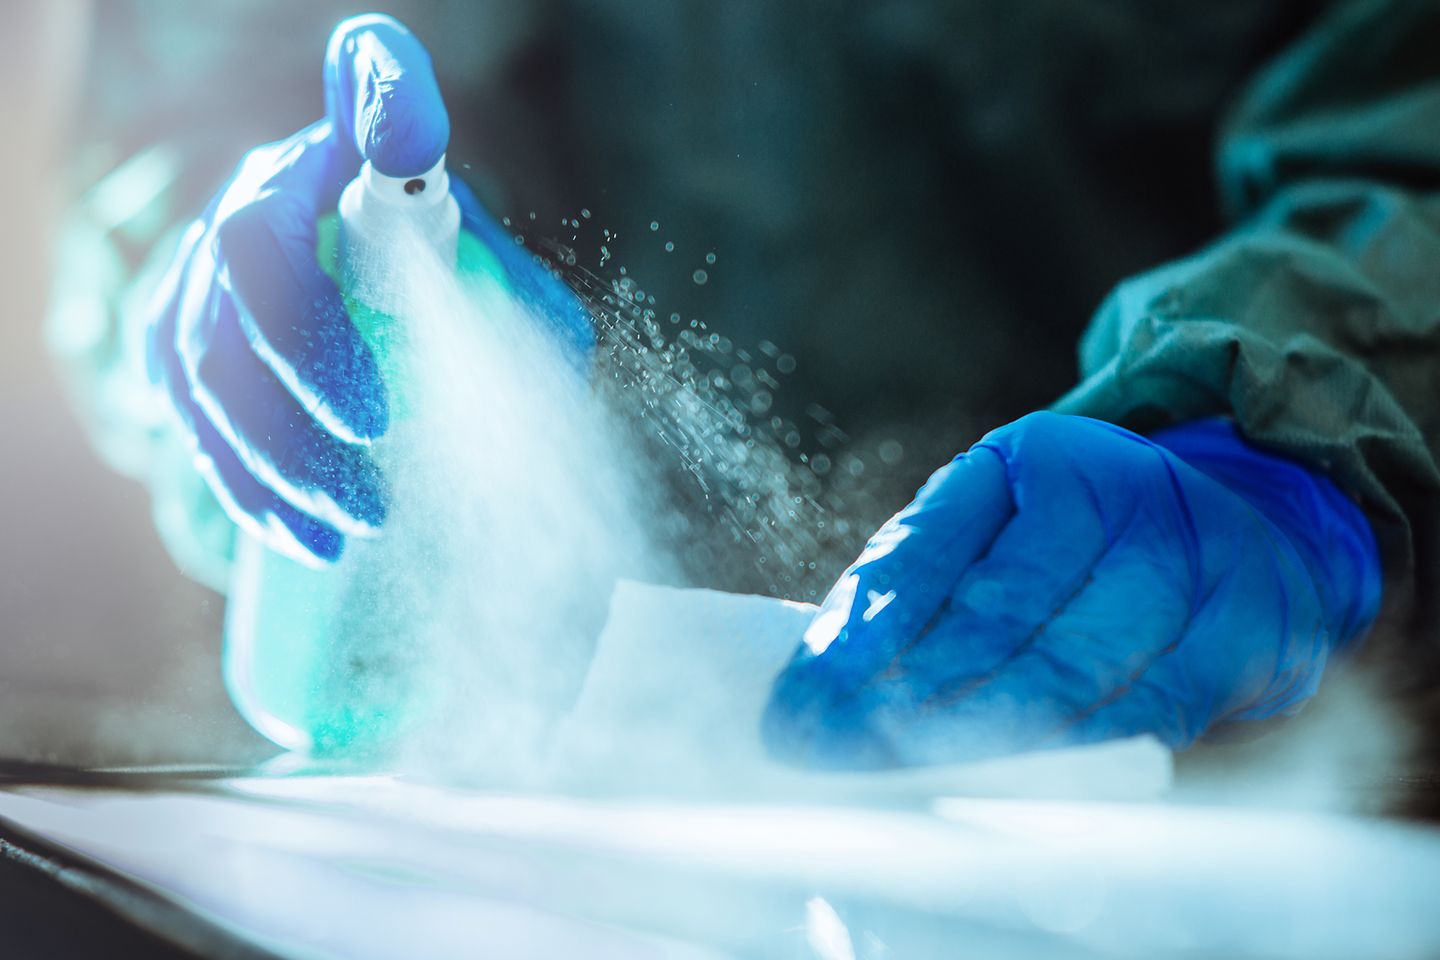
(382, 98)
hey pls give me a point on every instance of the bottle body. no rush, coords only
(321, 660)
(297, 670)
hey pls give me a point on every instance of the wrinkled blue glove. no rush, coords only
(251, 339)
(1068, 581)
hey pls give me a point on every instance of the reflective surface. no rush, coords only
(377, 867)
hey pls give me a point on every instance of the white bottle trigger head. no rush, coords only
(376, 212)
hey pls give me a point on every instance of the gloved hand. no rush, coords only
(251, 339)
(1067, 581)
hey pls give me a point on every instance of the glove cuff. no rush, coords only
(1327, 528)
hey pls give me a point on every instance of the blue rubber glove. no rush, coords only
(1067, 581)
(251, 339)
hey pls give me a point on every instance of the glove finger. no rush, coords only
(279, 442)
(1144, 707)
(382, 96)
(1129, 613)
(1030, 681)
(889, 597)
(1061, 549)
(1153, 626)
(247, 502)
(1139, 634)
(293, 313)
(257, 509)
(160, 338)
(1102, 625)
(1000, 606)
(1212, 672)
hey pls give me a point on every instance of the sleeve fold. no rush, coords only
(1315, 322)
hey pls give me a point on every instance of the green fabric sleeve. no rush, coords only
(1314, 323)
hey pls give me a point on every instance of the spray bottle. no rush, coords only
(300, 664)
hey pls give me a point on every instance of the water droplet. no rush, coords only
(669, 247)
(785, 363)
(891, 451)
(710, 258)
(654, 225)
(700, 276)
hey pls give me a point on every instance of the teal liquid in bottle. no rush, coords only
(323, 660)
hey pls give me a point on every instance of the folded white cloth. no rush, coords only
(674, 695)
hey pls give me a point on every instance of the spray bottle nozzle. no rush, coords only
(376, 212)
